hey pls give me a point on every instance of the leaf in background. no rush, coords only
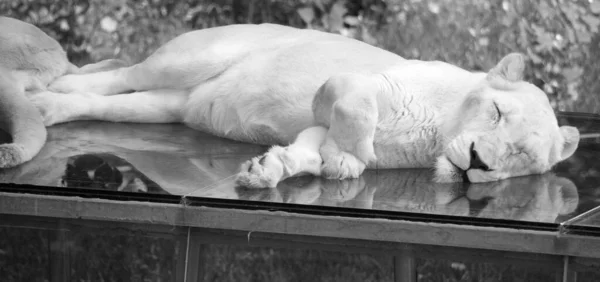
(335, 18)
(595, 7)
(571, 35)
(483, 41)
(367, 37)
(319, 4)
(583, 35)
(592, 22)
(545, 10)
(351, 21)
(523, 38)
(573, 73)
(433, 7)
(544, 38)
(108, 24)
(307, 14)
(534, 57)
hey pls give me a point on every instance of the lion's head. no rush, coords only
(503, 128)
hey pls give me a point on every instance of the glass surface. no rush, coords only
(149, 158)
(173, 159)
(36, 249)
(583, 169)
(584, 269)
(244, 264)
(433, 270)
(24, 253)
(588, 220)
(45, 249)
(587, 276)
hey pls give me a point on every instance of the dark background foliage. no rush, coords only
(560, 37)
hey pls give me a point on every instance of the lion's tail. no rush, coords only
(22, 121)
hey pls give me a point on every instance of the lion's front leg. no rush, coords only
(346, 108)
(348, 147)
(279, 163)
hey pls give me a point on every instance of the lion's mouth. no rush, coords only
(462, 172)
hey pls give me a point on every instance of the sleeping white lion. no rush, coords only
(338, 106)
(29, 61)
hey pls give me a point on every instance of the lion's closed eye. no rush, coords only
(496, 113)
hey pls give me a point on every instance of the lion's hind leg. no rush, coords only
(154, 106)
(279, 163)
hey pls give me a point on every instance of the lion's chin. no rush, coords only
(447, 172)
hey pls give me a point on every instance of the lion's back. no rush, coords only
(264, 93)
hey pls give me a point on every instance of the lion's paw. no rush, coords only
(11, 155)
(342, 165)
(264, 171)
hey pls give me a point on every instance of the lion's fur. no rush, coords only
(269, 84)
(29, 61)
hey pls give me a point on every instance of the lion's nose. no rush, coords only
(476, 162)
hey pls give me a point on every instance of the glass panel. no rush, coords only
(540, 198)
(588, 222)
(24, 254)
(44, 249)
(588, 276)
(431, 270)
(584, 269)
(583, 169)
(113, 255)
(592, 220)
(239, 256)
(243, 263)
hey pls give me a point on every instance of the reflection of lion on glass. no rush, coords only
(148, 160)
(340, 105)
(106, 171)
(137, 158)
(537, 198)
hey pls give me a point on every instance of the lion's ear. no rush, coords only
(571, 137)
(511, 68)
